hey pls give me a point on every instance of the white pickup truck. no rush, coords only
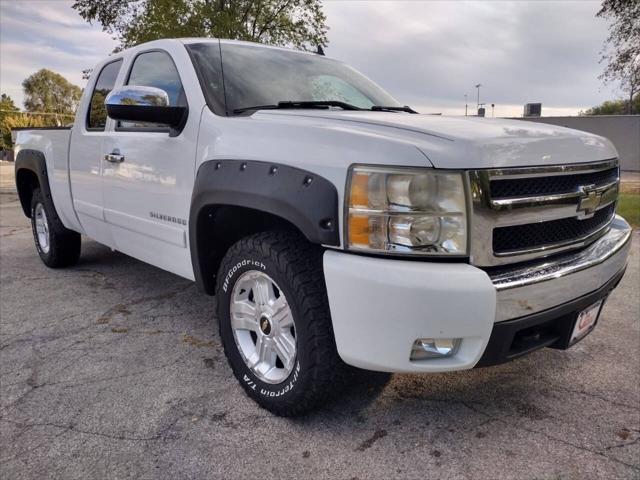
(336, 227)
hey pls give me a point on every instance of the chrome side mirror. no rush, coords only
(145, 104)
(140, 96)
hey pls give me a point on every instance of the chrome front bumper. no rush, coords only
(523, 291)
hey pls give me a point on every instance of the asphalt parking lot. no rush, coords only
(114, 369)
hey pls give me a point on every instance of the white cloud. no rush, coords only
(430, 54)
(427, 54)
(46, 34)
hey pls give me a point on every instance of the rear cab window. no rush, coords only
(97, 113)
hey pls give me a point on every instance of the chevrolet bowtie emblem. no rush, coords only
(589, 201)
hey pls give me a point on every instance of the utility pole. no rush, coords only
(465, 105)
(478, 87)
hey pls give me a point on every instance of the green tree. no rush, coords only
(296, 23)
(50, 92)
(614, 107)
(18, 120)
(6, 105)
(11, 117)
(7, 108)
(622, 47)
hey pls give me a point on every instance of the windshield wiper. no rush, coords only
(318, 104)
(381, 108)
(301, 104)
(323, 104)
(257, 107)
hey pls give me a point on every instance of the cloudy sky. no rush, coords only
(428, 54)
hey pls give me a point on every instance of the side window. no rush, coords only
(156, 69)
(97, 114)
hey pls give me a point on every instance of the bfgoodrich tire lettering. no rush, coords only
(295, 266)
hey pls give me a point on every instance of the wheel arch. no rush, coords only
(233, 198)
(31, 173)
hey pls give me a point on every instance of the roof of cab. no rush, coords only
(192, 40)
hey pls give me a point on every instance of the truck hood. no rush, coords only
(469, 142)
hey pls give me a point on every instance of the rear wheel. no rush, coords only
(275, 323)
(57, 246)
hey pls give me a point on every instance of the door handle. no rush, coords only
(114, 157)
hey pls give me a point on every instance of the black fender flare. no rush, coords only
(304, 199)
(34, 161)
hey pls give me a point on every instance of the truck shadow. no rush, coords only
(523, 390)
(437, 415)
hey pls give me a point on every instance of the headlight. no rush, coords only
(411, 211)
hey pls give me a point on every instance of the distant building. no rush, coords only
(532, 109)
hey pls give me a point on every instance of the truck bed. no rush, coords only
(53, 143)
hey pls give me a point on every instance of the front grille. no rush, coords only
(520, 187)
(525, 213)
(535, 235)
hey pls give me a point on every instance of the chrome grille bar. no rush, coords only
(610, 189)
(548, 171)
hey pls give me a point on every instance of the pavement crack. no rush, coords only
(13, 231)
(593, 395)
(124, 308)
(368, 443)
(85, 382)
(624, 444)
(75, 429)
(553, 438)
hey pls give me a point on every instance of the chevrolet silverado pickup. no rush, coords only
(337, 228)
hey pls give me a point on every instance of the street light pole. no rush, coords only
(465, 104)
(478, 87)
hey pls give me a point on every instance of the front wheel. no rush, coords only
(275, 323)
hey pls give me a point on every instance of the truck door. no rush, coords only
(148, 175)
(85, 159)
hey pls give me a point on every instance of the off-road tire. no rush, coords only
(64, 244)
(296, 266)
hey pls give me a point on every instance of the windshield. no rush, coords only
(255, 76)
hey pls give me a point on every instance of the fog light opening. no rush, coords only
(429, 348)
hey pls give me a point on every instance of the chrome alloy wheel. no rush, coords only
(263, 327)
(42, 228)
